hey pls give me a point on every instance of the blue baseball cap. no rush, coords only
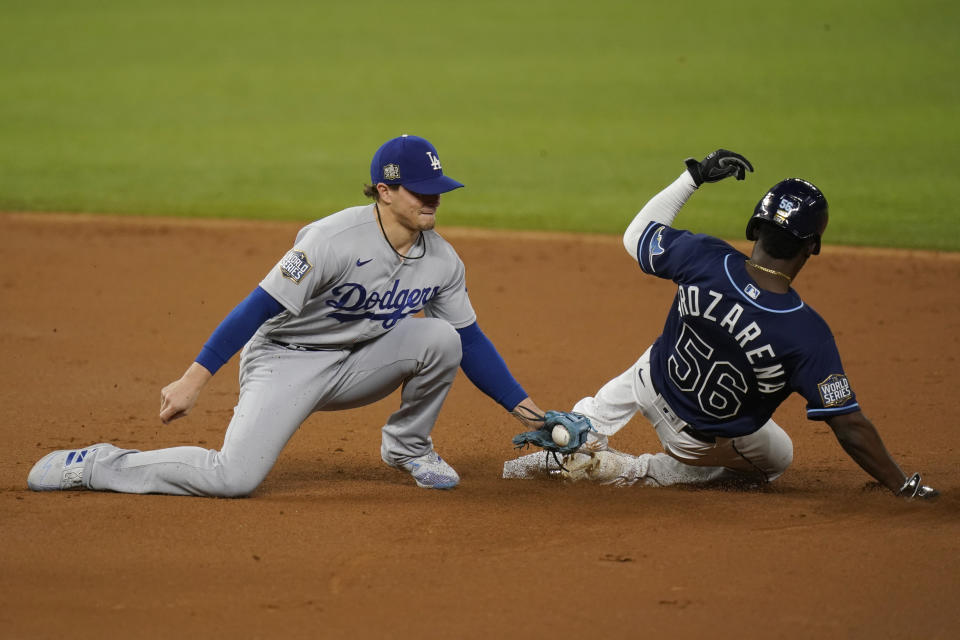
(412, 162)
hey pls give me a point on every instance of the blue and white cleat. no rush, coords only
(63, 469)
(429, 471)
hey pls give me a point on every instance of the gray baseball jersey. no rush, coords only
(342, 283)
(346, 292)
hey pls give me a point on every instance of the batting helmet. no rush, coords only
(794, 205)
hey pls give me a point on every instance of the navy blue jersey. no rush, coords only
(731, 352)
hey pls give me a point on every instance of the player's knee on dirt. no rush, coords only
(236, 480)
(780, 448)
(235, 488)
(781, 459)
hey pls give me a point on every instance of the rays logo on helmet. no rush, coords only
(295, 265)
(391, 171)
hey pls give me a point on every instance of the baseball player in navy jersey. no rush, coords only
(330, 327)
(738, 340)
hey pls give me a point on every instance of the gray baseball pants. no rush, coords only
(279, 388)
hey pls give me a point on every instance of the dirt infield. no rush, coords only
(97, 314)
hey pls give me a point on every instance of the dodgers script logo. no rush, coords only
(353, 302)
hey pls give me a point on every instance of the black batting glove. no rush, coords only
(718, 165)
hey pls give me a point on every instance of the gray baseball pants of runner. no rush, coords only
(279, 389)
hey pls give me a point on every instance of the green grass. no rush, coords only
(557, 115)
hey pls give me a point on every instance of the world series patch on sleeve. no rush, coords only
(835, 390)
(295, 265)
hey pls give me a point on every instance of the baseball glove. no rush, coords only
(571, 430)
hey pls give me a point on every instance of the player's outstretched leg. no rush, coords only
(761, 456)
(64, 469)
(265, 417)
(620, 469)
(174, 471)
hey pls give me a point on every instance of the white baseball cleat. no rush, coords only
(604, 467)
(429, 471)
(63, 469)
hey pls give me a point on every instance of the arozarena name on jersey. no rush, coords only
(393, 305)
(727, 315)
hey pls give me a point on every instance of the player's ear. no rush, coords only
(385, 193)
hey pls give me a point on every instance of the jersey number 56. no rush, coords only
(718, 386)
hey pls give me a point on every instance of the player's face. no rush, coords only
(415, 211)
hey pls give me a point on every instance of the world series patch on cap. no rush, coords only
(413, 162)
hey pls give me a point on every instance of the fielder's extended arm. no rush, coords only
(486, 369)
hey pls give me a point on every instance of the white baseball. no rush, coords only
(560, 435)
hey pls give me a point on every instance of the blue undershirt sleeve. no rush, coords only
(238, 327)
(486, 369)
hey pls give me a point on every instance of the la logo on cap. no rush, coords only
(413, 162)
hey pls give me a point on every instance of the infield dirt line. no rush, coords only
(449, 232)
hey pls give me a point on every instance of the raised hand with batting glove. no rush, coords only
(718, 165)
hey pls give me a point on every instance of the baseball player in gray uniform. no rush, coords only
(330, 327)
